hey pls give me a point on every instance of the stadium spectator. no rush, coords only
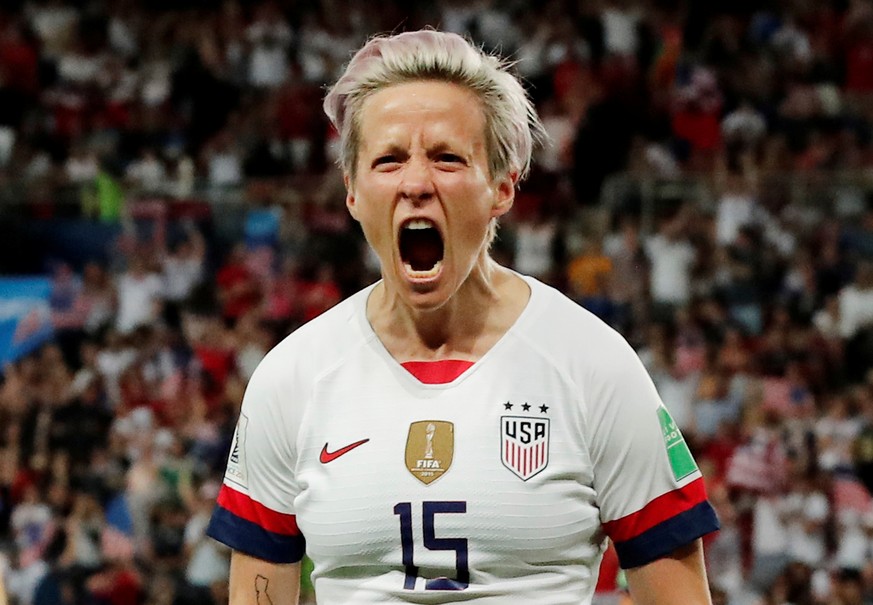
(671, 258)
(183, 265)
(147, 173)
(534, 245)
(139, 296)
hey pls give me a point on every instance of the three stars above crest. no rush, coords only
(525, 407)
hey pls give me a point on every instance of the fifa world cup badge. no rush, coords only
(430, 447)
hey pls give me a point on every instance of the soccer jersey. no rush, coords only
(442, 482)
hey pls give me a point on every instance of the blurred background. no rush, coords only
(170, 209)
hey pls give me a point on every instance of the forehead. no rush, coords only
(428, 109)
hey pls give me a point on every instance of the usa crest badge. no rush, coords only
(524, 445)
(430, 447)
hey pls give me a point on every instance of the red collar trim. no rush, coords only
(441, 371)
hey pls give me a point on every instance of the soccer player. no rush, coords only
(456, 432)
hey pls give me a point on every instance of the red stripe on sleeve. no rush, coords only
(441, 371)
(250, 510)
(657, 511)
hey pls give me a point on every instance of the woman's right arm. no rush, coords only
(257, 582)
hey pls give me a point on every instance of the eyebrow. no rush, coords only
(442, 147)
(395, 149)
(390, 149)
(401, 150)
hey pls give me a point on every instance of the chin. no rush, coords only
(428, 298)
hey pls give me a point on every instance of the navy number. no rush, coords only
(404, 509)
(431, 542)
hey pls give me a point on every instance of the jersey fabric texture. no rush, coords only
(491, 482)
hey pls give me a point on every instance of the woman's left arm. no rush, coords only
(680, 577)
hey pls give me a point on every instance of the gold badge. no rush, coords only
(429, 449)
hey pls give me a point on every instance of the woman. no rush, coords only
(455, 432)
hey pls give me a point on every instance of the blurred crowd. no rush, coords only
(194, 129)
(165, 95)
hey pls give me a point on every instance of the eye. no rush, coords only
(450, 158)
(385, 162)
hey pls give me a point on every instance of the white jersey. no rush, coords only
(442, 482)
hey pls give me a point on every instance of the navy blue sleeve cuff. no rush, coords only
(253, 540)
(667, 536)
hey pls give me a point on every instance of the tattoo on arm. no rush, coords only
(261, 596)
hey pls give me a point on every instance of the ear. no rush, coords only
(350, 197)
(504, 194)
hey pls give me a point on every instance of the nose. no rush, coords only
(416, 183)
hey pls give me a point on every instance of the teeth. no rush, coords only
(432, 272)
(419, 223)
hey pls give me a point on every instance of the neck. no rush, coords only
(479, 313)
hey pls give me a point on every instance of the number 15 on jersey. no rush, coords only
(431, 542)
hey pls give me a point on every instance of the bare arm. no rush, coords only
(258, 582)
(3, 600)
(677, 578)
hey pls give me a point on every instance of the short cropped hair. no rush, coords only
(512, 126)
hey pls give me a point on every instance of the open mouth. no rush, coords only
(421, 249)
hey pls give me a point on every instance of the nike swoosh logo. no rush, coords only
(327, 456)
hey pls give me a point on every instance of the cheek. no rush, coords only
(469, 233)
(376, 227)
(476, 214)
